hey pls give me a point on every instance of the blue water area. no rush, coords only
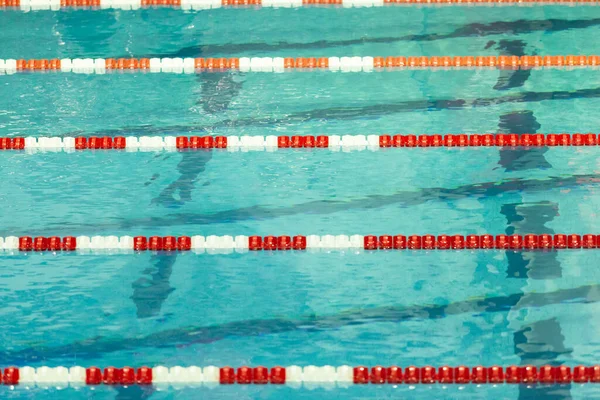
(403, 308)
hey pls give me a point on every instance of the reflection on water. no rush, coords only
(149, 294)
(540, 342)
(509, 79)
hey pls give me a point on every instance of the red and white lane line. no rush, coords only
(227, 244)
(281, 64)
(56, 5)
(272, 143)
(294, 375)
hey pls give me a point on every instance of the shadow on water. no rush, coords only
(519, 27)
(184, 336)
(218, 91)
(521, 159)
(540, 342)
(509, 79)
(150, 292)
(179, 192)
(205, 334)
(524, 218)
(325, 207)
(517, 215)
(354, 112)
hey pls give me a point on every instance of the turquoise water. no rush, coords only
(301, 308)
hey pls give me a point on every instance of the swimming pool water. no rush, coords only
(301, 308)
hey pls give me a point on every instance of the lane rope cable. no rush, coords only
(281, 64)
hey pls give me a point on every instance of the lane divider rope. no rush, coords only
(227, 244)
(56, 5)
(294, 375)
(281, 64)
(271, 143)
